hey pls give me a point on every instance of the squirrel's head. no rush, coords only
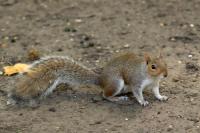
(156, 66)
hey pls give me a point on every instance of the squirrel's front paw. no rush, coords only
(144, 103)
(162, 98)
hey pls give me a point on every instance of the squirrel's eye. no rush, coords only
(153, 66)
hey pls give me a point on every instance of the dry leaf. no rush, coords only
(17, 68)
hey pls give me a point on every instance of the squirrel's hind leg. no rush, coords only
(114, 88)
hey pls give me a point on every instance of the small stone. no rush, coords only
(20, 114)
(86, 38)
(162, 24)
(57, 128)
(1, 73)
(175, 79)
(99, 47)
(179, 62)
(190, 56)
(106, 130)
(82, 107)
(126, 46)
(57, 41)
(191, 99)
(126, 119)
(172, 39)
(170, 127)
(52, 109)
(59, 49)
(74, 30)
(23, 18)
(192, 25)
(67, 29)
(8, 103)
(72, 34)
(96, 123)
(6, 38)
(78, 20)
(3, 29)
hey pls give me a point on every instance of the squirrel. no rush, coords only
(127, 72)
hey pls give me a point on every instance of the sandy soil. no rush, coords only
(91, 31)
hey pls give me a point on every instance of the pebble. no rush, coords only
(191, 99)
(191, 25)
(162, 24)
(175, 79)
(126, 119)
(96, 123)
(126, 46)
(59, 49)
(99, 47)
(78, 20)
(170, 127)
(172, 39)
(71, 39)
(52, 109)
(3, 29)
(179, 62)
(8, 103)
(57, 128)
(1, 73)
(6, 38)
(190, 56)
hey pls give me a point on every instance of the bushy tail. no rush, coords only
(47, 73)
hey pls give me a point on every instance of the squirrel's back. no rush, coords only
(44, 73)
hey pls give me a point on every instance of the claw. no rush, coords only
(163, 98)
(124, 98)
(144, 103)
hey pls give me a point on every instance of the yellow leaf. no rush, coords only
(17, 68)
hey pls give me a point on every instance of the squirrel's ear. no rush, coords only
(147, 57)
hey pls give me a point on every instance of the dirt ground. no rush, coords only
(91, 31)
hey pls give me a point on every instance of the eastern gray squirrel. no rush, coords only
(122, 73)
